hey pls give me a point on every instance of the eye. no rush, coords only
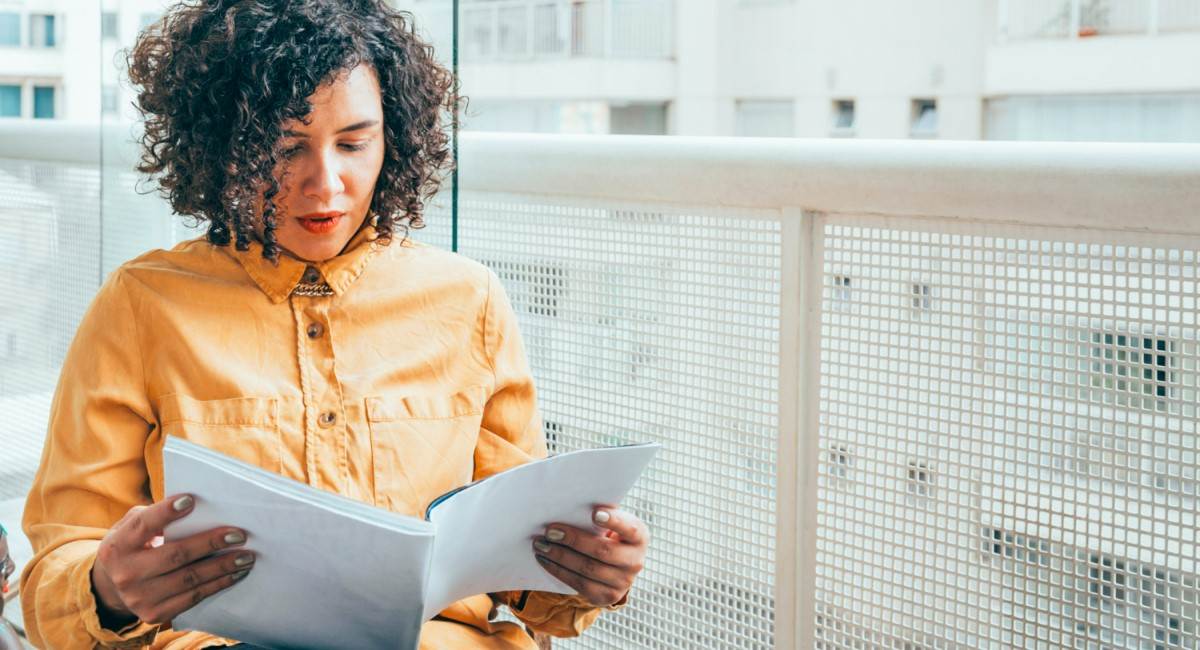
(292, 151)
(357, 146)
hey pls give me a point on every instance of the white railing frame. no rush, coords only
(1079, 187)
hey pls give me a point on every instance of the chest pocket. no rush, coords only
(246, 428)
(422, 446)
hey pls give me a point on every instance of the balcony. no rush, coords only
(912, 394)
(1058, 19)
(540, 30)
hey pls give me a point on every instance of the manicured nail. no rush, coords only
(541, 546)
(542, 558)
(555, 535)
(244, 559)
(235, 537)
(601, 517)
(241, 574)
(182, 503)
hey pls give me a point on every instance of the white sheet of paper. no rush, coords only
(485, 532)
(331, 572)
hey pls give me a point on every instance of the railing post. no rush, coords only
(1075, 19)
(1152, 19)
(799, 419)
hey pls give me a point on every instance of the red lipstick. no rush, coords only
(320, 223)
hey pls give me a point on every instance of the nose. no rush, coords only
(324, 181)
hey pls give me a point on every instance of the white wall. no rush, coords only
(1102, 64)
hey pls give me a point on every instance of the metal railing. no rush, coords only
(912, 394)
(521, 30)
(1034, 19)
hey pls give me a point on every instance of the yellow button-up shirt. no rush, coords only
(409, 380)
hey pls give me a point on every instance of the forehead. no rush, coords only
(353, 94)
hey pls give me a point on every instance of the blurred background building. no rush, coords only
(1113, 70)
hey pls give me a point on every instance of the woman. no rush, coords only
(299, 334)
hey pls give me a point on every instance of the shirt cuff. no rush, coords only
(561, 615)
(134, 635)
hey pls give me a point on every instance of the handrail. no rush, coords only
(1153, 188)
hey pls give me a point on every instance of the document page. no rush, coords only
(331, 572)
(485, 531)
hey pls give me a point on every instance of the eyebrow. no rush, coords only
(353, 127)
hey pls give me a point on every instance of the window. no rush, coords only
(10, 28)
(841, 461)
(43, 102)
(637, 119)
(924, 118)
(765, 118)
(920, 478)
(108, 100)
(841, 288)
(843, 117)
(108, 25)
(10, 100)
(1131, 369)
(41, 30)
(921, 296)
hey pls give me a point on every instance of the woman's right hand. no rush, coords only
(135, 579)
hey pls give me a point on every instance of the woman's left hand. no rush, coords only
(601, 566)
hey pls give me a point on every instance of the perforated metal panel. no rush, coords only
(1008, 439)
(658, 324)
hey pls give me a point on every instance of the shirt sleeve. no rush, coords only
(511, 434)
(92, 472)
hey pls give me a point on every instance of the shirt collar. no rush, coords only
(277, 280)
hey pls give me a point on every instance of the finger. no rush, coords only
(194, 575)
(584, 565)
(182, 552)
(626, 525)
(142, 523)
(595, 593)
(605, 549)
(180, 603)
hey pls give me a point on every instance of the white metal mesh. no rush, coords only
(1008, 440)
(659, 324)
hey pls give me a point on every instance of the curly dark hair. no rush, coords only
(218, 78)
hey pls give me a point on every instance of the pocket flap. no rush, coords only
(466, 402)
(238, 411)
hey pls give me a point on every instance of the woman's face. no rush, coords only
(332, 164)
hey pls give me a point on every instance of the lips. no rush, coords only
(321, 223)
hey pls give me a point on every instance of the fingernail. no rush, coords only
(601, 517)
(555, 535)
(243, 559)
(240, 574)
(235, 537)
(182, 503)
(542, 558)
(541, 546)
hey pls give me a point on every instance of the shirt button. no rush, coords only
(327, 419)
(315, 330)
(311, 275)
